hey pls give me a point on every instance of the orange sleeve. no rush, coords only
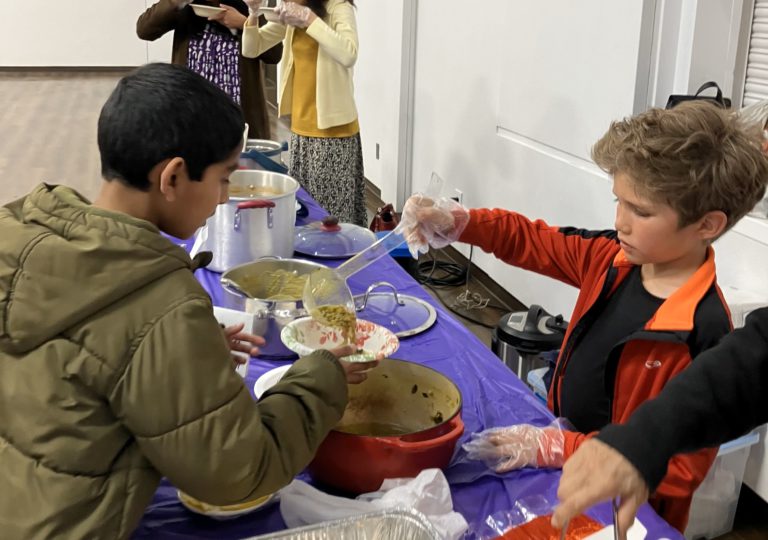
(564, 254)
(574, 439)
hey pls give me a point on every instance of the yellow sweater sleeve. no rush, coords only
(339, 41)
(257, 39)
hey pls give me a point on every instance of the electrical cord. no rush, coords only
(453, 310)
(454, 275)
(440, 273)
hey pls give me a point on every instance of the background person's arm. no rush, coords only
(273, 55)
(259, 39)
(720, 396)
(158, 19)
(339, 41)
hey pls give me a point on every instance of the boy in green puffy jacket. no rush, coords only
(113, 370)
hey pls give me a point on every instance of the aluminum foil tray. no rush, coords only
(393, 524)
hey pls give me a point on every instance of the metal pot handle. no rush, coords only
(256, 203)
(232, 287)
(454, 433)
(376, 286)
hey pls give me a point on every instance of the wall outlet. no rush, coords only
(458, 196)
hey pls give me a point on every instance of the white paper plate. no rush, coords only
(206, 11)
(222, 512)
(306, 335)
(269, 379)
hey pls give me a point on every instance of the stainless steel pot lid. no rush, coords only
(403, 314)
(266, 146)
(331, 239)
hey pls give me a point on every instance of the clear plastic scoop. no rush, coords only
(326, 294)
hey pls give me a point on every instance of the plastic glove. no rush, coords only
(253, 5)
(293, 14)
(509, 448)
(432, 222)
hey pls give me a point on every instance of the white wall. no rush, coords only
(695, 42)
(508, 106)
(79, 33)
(378, 77)
(713, 55)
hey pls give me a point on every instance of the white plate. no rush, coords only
(206, 11)
(269, 14)
(269, 379)
(220, 512)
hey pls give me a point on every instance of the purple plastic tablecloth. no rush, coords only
(492, 396)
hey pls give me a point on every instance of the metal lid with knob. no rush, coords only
(330, 239)
(403, 314)
(532, 331)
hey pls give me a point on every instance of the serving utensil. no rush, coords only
(326, 291)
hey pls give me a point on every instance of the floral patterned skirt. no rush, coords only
(331, 170)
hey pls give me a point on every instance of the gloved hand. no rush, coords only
(514, 447)
(293, 14)
(431, 222)
(253, 5)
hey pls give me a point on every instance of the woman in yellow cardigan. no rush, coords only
(319, 49)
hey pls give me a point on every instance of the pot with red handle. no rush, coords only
(403, 419)
(258, 220)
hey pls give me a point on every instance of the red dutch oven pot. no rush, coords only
(403, 419)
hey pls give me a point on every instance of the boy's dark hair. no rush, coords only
(696, 158)
(162, 111)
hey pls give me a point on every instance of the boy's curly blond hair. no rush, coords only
(696, 158)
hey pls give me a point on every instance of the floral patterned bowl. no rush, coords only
(305, 335)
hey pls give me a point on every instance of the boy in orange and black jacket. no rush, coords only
(648, 300)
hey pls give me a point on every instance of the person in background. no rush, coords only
(316, 90)
(212, 49)
(648, 300)
(723, 395)
(113, 369)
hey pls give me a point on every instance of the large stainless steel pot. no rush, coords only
(404, 418)
(248, 227)
(248, 286)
